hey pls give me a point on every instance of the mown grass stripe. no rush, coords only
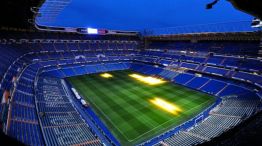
(124, 100)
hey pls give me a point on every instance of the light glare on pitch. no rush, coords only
(166, 106)
(148, 79)
(106, 75)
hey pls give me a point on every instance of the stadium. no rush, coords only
(100, 73)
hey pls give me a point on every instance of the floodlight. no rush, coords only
(92, 31)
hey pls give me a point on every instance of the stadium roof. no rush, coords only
(136, 14)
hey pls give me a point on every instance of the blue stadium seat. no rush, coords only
(213, 87)
(183, 78)
(197, 82)
(215, 70)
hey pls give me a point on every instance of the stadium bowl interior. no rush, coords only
(129, 74)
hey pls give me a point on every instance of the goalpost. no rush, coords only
(199, 119)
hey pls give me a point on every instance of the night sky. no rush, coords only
(141, 14)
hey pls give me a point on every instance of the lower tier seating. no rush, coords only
(228, 114)
(60, 120)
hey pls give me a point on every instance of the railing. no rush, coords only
(240, 26)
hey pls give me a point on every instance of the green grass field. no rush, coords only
(123, 104)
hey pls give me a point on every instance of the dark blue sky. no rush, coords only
(141, 14)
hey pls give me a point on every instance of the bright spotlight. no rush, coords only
(166, 106)
(148, 79)
(106, 75)
(92, 31)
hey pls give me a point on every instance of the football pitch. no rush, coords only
(136, 107)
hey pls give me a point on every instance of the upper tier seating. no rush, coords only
(215, 60)
(214, 70)
(249, 77)
(189, 65)
(8, 55)
(249, 48)
(245, 64)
